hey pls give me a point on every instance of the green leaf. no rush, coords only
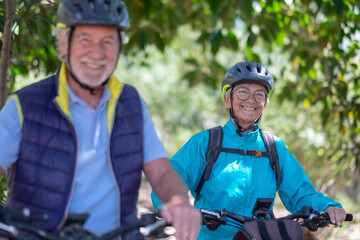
(214, 5)
(215, 42)
(192, 61)
(251, 39)
(319, 3)
(231, 41)
(339, 6)
(192, 78)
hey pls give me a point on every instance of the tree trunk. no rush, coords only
(5, 52)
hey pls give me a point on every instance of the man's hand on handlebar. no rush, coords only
(337, 215)
(183, 217)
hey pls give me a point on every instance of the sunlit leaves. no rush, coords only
(319, 39)
(32, 36)
(306, 103)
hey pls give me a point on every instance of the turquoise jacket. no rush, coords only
(236, 181)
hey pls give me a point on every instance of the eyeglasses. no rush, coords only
(244, 94)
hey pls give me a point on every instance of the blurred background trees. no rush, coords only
(178, 51)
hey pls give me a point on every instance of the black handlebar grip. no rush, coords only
(349, 217)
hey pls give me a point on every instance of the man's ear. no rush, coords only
(63, 45)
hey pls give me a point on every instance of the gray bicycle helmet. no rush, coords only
(247, 72)
(92, 12)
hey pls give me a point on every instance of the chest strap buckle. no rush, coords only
(257, 153)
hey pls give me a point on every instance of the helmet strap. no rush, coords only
(92, 90)
(239, 129)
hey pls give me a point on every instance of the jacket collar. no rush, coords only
(62, 99)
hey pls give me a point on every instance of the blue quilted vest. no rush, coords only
(43, 176)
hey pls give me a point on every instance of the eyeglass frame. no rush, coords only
(250, 94)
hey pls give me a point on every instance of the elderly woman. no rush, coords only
(238, 178)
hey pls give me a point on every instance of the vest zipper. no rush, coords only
(109, 157)
(66, 211)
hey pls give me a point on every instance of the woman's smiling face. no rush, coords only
(247, 111)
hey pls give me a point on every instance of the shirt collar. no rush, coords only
(231, 127)
(73, 99)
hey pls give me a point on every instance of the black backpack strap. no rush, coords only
(273, 155)
(213, 151)
(282, 229)
(215, 147)
(263, 231)
(254, 153)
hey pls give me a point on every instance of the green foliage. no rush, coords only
(3, 190)
(178, 111)
(311, 48)
(33, 44)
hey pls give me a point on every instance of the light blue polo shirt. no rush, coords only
(95, 191)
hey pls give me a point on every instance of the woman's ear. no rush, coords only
(227, 101)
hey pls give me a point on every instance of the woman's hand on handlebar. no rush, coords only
(337, 215)
(183, 217)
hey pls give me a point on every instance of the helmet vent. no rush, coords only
(119, 9)
(247, 72)
(258, 68)
(92, 5)
(77, 5)
(107, 5)
(112, 13)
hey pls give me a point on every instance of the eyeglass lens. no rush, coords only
(244, 94)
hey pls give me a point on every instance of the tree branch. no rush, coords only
(5, 53)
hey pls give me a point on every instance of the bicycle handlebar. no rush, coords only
(12, 222)
(312, 220)
(149, 225)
